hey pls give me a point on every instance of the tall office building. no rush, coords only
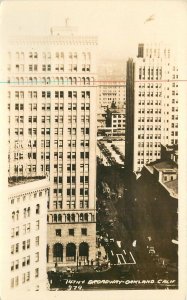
(52, 129)
(151, 104)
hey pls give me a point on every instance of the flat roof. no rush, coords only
(17, 180)
(172, 187)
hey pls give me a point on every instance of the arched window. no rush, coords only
(57, 80)
(28, 212)
(61, 80)
(24, 212)
(17, 215)
(21, 80)
(83, 80)
(47, 218)
(43, 80)
(57, 252)
(83, 251)
(48, 80)
(55, 218)
(70, 80)
(73, 217)
(37, 209)
(70, 252)
(74, 80)
(30, 80)
(13, 215)
(81, 217)
(59, 218)
(86, 217)
(68, 217)
(87, 80)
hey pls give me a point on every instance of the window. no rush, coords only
(27, 276)
(37, 225)
(36, 272)
(17, 248)
(37, 240)
(58, 232)
(23, 245)
(71, 232)
(28, 244)
(84, 231)
(36, 256)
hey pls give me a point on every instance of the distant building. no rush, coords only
(111, 88)
(151, 104)
(28, 199)
(115, 119)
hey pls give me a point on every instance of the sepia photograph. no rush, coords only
(93, 131)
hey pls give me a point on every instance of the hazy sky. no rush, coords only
(119, 25)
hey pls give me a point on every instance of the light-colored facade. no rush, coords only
(52, 129)
(116, 121)
(27, 203)
(111, 88)
(151, 104)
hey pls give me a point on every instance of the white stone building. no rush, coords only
(151, 104)
(27, 205)
(52, 129)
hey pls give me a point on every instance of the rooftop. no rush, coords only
(17, 180)
(22, 185)
(172, 187)
(162, 165)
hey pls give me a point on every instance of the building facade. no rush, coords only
(52, 130)
(27, 202)
(151, 104)
(115, 119)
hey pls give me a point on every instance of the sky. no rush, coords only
(119, 25)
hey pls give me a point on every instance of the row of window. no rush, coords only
(25, 278)
(148, 153)
(26, 212)
(26, 228)
(25, 262)
(149, 144)
(70, 217)
(149, 136)
(49, 94)
(51, 80)
(71, 232)
(149, 119)
(149, 127)
(24, 198)
(49, 55)
(47, 131)
(156, 85)
(48, 67)
(47, 106)
(71, 204)
(70, 167)
(71, 192)
(47, 119)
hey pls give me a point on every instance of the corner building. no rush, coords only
(151, 104)
(27, 203)
(52, 130)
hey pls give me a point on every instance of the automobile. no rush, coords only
(151, 250)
